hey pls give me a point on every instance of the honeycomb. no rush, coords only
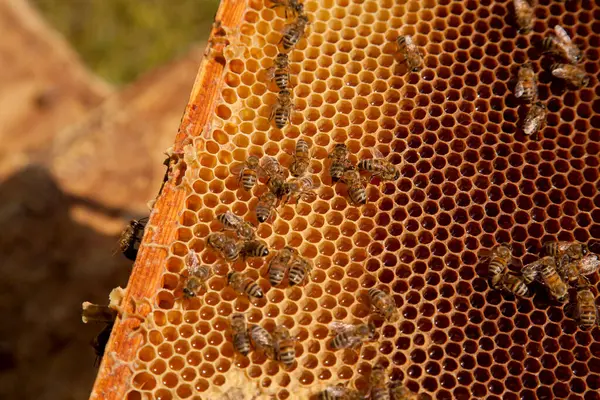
(469, 180)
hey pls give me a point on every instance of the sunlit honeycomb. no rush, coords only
(469, 179)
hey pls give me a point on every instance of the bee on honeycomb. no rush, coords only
(410, 52)
(131, 237)
(561, 45)
(293, 32)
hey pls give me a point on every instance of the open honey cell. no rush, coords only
(439, 172)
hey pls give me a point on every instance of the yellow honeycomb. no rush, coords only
(469, 180)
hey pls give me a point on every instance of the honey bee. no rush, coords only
(339, 161)
(271, 168)
(573, 74)
(284, 346)
(280, 71)
(573, 250)
(545, 271)
(292, 33)
(383, 304)
(380, 167)
(131, 237)
(524, 14)
(278, 265)
(241, 340)
(500, 256)
(350, 336)
(356, 190)
(526, 87)
(231, 222)
(282, 109)
(247, 172)
(378, 382)
(299, 270)
(513, 284)
(301, 158)
(340, 392)
(302, 188)
(292, 6)
(266, 204)
(224, 245)
(100, 341)
(535, 119)
(410, 52)
(574, 270)
(198, 275)
(263, 341)
(242, 284)
(562, 46)
(254, 248)
(586, 311)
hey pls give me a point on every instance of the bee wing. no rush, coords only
(193, 262)
(530, 269)
(271, 72)
(561, 72)
(532, 121)
(485, 254)
(377, 154)
(562, 35)
(340, 327)
(274, 162)
(589, 265)
(519, 89)
(308, 195)
(337, 391)
(237, 169)
(234, 217)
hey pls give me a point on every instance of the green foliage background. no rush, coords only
(121, 39)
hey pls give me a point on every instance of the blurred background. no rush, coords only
(91, 95)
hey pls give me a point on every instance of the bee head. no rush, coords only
(264, 252)
(261, 218)
(299, 8)
(230, 276)
(187, 293)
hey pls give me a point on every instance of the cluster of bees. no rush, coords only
(301, 186)
(561, 48)
(565, 264)
(280, 346)
(280, 72)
